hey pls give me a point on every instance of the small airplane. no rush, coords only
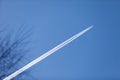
(45, 55)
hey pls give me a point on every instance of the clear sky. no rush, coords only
(94, 56)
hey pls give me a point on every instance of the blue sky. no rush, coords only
(94, 56)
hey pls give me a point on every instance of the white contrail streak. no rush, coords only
(46, 54)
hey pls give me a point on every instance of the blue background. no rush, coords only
(93, 56)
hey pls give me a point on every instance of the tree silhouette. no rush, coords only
(12, 50)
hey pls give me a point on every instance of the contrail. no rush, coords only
(46, 54)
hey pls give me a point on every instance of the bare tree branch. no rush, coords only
(12, 50)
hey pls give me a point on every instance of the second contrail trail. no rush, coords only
(46, 54)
